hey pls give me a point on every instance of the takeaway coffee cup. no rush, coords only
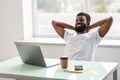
(64, 62)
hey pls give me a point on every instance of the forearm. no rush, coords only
(97, 24)
(62, 25)
(104, 26)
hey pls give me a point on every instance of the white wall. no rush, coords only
(11, 29)
(11, 26)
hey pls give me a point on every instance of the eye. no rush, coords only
(81, 19)
(76, 20)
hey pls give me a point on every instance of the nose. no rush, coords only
(78, 22)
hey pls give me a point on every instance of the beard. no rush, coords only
(80, 28)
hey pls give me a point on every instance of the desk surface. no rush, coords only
(14, 68)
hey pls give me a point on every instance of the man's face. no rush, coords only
(81, 24)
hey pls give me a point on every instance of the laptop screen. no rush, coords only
(32, 54)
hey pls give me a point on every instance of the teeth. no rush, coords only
(78, 25)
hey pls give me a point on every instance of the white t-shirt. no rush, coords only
(81, 46)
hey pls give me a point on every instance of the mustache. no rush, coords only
(79, 24)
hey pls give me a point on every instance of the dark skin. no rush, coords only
(79, 21)
(104, 26)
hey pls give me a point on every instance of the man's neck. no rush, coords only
(82, 32)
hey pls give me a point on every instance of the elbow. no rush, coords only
(111, 19)
(53, 22)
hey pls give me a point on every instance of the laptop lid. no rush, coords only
(32, 54)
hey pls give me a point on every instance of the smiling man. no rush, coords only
(82, 44)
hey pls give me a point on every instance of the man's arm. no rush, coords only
(60, 26)
(104, 24)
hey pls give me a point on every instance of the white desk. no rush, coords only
(14, 68)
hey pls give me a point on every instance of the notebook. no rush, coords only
(32, 54)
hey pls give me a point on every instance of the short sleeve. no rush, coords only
(67, 35)
(95, 36)
(98, 37)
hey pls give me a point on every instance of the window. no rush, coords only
(65, 10)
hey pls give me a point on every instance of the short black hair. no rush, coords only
(86, 15)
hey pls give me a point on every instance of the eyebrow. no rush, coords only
(80, 19)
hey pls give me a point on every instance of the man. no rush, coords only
(81, 45)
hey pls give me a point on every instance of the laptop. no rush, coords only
(32, 54)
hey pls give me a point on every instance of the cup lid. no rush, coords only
(64, 57)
